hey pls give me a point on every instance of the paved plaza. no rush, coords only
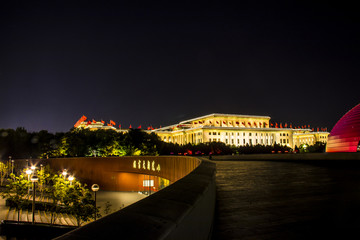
(287, 200)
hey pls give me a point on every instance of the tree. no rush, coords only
(4, 171)
(79, 203)
(56, 190)
(16, 190)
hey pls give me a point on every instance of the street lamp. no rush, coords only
(95, 188)
(34, 179)
(64, 173)
(71, 178)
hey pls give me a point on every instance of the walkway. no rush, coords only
(283, 200)
(40, 216)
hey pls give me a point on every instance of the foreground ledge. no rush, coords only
(184, 210)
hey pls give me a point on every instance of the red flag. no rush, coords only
(139, 127)
(82, 119)
(271, 124)
(290, 125)
(276, 125)
(102, 121)
(112, 122)
(285, 125)
(120, 126)
(148, 128)
(280, 125)
(93, 121)
(130, 126)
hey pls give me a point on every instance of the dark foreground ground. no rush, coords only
(287, 200)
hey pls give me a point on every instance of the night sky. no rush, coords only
(158, 64)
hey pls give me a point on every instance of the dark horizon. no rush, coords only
(159, 64)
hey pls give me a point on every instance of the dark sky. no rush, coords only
(160, 64)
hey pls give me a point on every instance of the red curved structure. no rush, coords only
(345, 135)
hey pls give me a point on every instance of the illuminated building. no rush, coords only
(96, 125)
(231, 129)
(345, 136)
(238, 130)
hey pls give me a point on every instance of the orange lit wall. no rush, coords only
(124, 173)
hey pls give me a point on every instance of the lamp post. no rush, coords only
(64, 173)
(12, 166)
(95, 188)
(28, 172)
(34, 179)
(71, 179)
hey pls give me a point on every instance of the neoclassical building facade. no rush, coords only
(231, 129)
(237, 130)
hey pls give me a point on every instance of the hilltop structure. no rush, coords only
(231, 129)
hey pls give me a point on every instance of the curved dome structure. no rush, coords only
(345, 135)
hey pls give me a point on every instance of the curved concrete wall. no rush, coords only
(105, 171)
(184, 210)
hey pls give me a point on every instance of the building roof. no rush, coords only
(224, 115)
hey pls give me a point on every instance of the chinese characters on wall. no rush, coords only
(146, 165)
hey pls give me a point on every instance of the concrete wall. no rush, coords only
(184, 210)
